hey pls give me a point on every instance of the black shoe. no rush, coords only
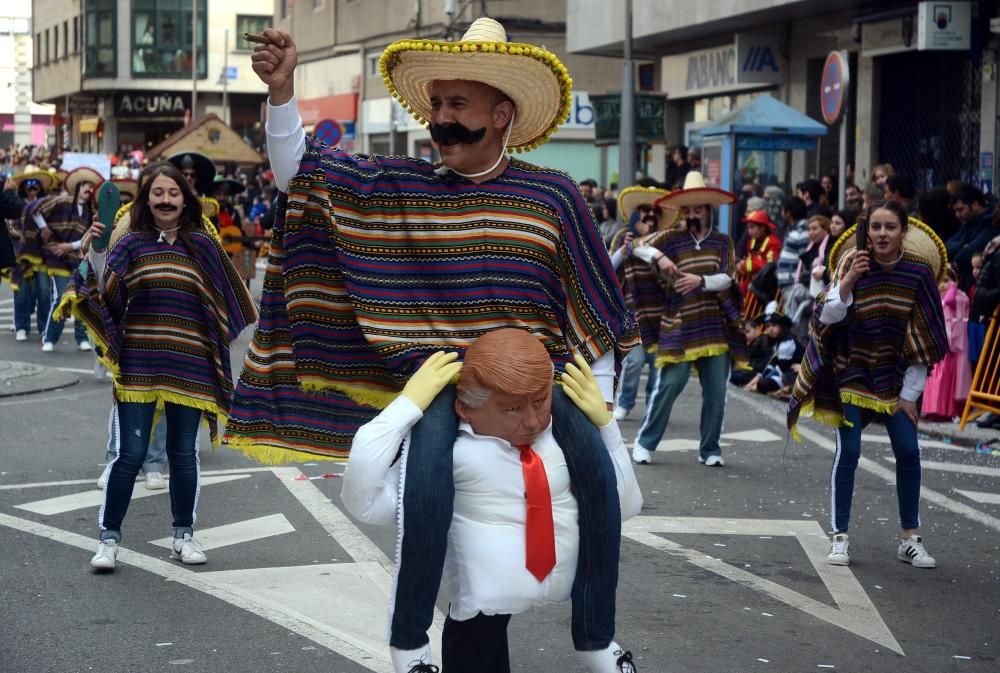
(988, 420)
(424, 668)
(625, 663)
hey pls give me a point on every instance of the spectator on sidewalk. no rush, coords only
(899, 188)
(949, 382)
(976, 228)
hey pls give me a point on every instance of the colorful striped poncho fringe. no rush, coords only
(27, 247)
(378, 262)
(895, 321)
(701, 324)
(165, 320)
(66, 225)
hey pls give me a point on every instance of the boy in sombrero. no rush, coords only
(700, 325)
(30, 279)
(377, 262)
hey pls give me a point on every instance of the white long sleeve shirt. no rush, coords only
(835, 310)
(485, 564)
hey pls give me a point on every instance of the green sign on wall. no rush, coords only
(650, 126)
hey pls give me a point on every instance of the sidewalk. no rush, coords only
(22, 378)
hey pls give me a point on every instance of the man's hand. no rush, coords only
(751, 386)
(94, 233)
(437, 371)
(59, 249)
(909, 408)
(45, 233)
(665, 265)
(581, 387)
(275, 63)
(687, 283)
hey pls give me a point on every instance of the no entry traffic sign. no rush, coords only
(329, 131)
(833, 91)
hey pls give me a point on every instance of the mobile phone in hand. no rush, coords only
(862, 233)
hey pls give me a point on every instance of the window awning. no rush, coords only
(90, 124)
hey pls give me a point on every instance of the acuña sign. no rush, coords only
(150, 104)
(748, 62)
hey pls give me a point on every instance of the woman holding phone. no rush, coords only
(164, 304)
(875, 332)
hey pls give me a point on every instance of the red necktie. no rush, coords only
(540, 535)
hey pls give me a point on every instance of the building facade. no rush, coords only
(922, 93)
(22, 121)
(340, 42)
(125, 74)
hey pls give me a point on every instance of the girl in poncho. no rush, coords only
(163, 304)
(875, 333)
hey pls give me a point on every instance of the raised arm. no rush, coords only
(274, 62)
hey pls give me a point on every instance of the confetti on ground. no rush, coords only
(960, 656)
(680, 596)
(328, 475)
(181, 662)
(825, 666)
(767, 614)
(310, 464)
(877, 586)
(301, 477)
(748, 609)
(765, 661)
(163, 644)
(719, 544)
(766, 537)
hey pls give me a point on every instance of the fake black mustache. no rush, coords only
(455, 133)
(693, 222)
(166, 207)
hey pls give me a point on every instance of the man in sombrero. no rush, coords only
(67, 218)
(377, 262)
(700, 323)
(29, 278)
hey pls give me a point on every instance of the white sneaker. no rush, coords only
(102, 480)
(48, 347)
(713, 461)
(84, 346)
(621, 413)
(21, 335)
(838, 555)
(188, 551)
(641, 456)
(106, 556)
(912, 551)
(100, 371)
(155, 481)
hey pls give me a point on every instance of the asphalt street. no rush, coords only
(722, 572)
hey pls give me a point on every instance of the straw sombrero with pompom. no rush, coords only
(631, 198)
(532, 77)
(696, 193)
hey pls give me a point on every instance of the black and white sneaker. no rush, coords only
(912, 551)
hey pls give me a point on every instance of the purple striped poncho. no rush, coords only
(379, 261)
(895, 321)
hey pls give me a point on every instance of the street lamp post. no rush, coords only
(626, 130)
(194, 59)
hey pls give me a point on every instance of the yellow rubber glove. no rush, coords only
(438, 370)
(581, 387)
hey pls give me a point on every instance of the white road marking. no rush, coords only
(678, 445)
(94, 497)
(872, 467)
(855, 612)
(924, 443)
(759, 435)
(979, 496)
(32, 399)
(77, 482)
(980, 470)
(237, 533)
(223, 589)
(73, 370)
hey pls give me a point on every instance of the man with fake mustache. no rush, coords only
(386, 260)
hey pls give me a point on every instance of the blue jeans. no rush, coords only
(713, 372)
(32, 297)
(134, 422)
(903, 437)
(428, 501)
(636, 360)
(156, 456)
(53, 327)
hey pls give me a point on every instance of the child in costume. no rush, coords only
(950, 380)
(505, 555)
(875, 333)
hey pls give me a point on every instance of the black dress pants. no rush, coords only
(477, 645)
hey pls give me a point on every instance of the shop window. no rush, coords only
(250, 24)
(162, 41)
(100, 38)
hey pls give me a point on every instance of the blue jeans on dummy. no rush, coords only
(32, 297)
(636, 360)
(53, 327)
(903, 436)
(713, 373)
(135, 419)
(428, 501)
(156, 456)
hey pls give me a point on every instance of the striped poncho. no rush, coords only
(645, 294)
(27, 241)
(376, 262)
(165, 319)
(703, 323)
(895, 321)
(67, 224)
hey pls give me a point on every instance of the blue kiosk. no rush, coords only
(755, 141)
